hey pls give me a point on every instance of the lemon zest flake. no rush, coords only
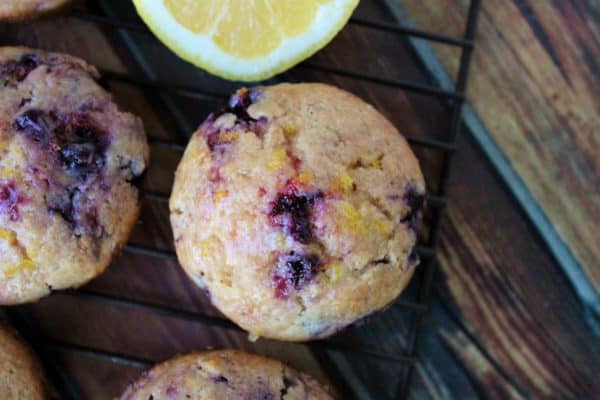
(205, 248)
(7, 173)
(278, 161)
(229, 136)
(334, 271)
(220, 195)
(26, 264)
(382, 227)
(8, 236)
(352, 218)
(306, 177)
(344, 182)
(375, 162)
(290, 130)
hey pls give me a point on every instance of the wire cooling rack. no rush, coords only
(436, 200)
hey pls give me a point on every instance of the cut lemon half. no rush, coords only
(245, 40)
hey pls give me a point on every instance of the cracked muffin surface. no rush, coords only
(68, 161)
(22, 9)
(224, 374)
(295, 207)
(20, 373)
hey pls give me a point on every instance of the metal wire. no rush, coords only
(455, 128)
(426, 251)
(377, 25)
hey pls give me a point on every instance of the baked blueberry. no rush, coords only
(219, 130)
(415, 201)
(292, 211)
(15, 71)
(292, 271)
(9, 201)
(70, 139)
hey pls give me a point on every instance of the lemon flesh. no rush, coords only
(245, 39)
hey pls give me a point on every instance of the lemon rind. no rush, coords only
(228, 69)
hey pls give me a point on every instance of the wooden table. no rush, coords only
(503, 320)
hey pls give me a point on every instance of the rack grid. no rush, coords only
(436, 202)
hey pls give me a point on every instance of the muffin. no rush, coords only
(295, 208)
(224, 374)
(23, 9)
(69, 159)
(20, 373)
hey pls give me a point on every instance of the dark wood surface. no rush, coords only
(503, 321)
(536, 87)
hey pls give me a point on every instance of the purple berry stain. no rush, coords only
(415, 202)
(71, 138)
(83, 150)
(78, 148)
(17, 70)
(238, 104)
(292, 211)
(74, 207)
(220, 379)
(292, 272)
(38, 126)
(262, 395)
(10, 200)
(413, 257)
(172, 389)
(214, 175)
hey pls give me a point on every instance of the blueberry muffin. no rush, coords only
(224, 374)
(296, 207)
(68, 161)
(22, 9)
(20, 373)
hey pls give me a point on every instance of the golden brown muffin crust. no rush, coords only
(20, 373)
(224, 374)
(296, 208)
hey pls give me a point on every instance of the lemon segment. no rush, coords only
(246, 40)
(197, 16)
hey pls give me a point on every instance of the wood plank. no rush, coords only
(507, 291)
(491, 382)
(535, 86)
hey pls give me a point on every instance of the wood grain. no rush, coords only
(511, 325)
(509, 293)
(490, 382)
(535, 84)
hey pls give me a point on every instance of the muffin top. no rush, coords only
(68, 159)
(224, 374)
(295, 207)
(21, 9)
(20, 373)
